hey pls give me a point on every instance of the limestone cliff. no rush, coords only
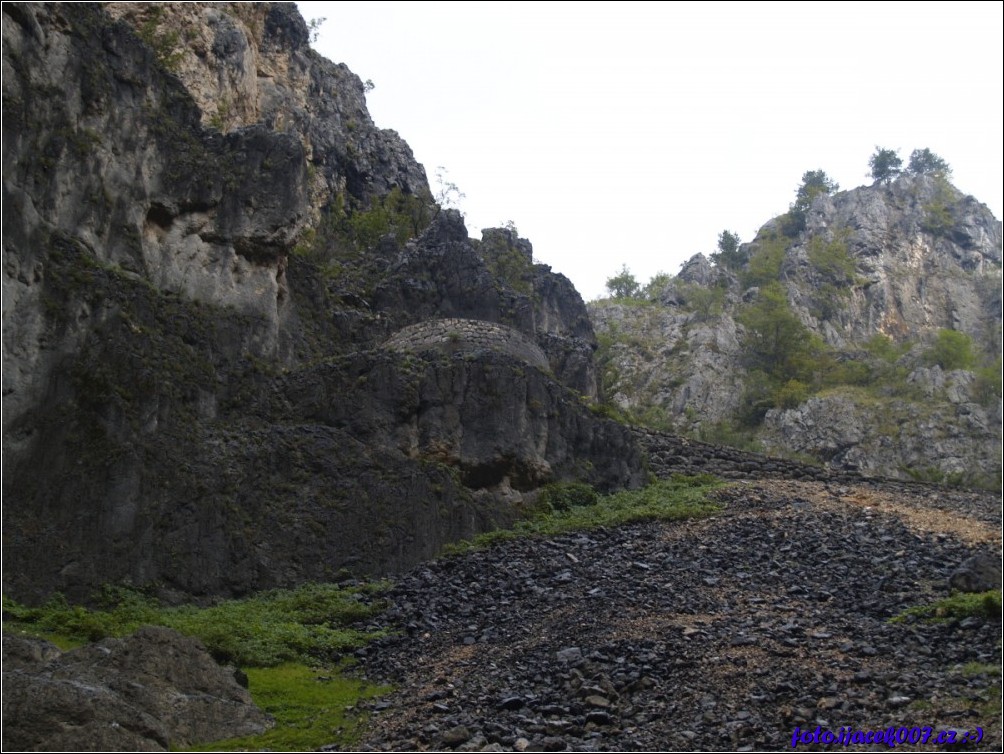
(831, 342)
(208, 248)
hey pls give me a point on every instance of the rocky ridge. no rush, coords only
(900, 262)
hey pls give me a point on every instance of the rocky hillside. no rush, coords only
(211, 259)
(863, 333)
(723, 634)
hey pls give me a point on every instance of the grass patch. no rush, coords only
(310, 624)
(673, 499)
(986, 605)
(311, 709)
(280, 638)
(972, 669)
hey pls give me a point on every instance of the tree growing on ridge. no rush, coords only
(885, 165)
(925, 162)
(623, 284)
(814, 183)
(728, 254)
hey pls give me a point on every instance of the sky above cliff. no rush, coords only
(633, 134)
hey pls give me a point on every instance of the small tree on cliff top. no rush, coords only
(885, 164)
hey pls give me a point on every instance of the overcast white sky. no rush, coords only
(635, 133)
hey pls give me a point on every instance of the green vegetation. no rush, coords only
(938, 219)
(677, 498)
(835, 266)
(623, 284)
(885, 164)
(814, 183)
(448, 195)
(340, 242)
(832, 259)
(963, 479)
(508, 262)
(311, 709)
(776, 340)
(314, 28)
(728, 254)
(726, 433)
(657, 285)
(165, 42)
(563, 496)
(280, 637)
(986, 605)
(925, 162)
(951, 350)
(707, 303)
(345, 232)
(764, 264)
(987, 389)
(310, 624)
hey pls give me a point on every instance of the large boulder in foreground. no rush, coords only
(150, 691)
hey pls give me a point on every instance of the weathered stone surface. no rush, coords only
(680, 362)
(467, 336)
(188, 403)
(251, 63)
(980, 573)
(147, 692)
(916, 280)
(774, 613)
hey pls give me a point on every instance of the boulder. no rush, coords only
(150, 691)
(980, 573)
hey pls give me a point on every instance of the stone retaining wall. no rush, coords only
(466, 335)
(669, 454)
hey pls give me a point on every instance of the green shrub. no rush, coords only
(561, 496)
(776, 342)
(311, 709)
(726, 433)
(729, 254)
(765, 262)
(707, 303)
(987, 388)
(951, 350)
(831, 259)
(623, 284)
(508, 263)
(164, 41)
(938, 218)
(986, 605)
(309, 624)
(676, 498)
(883, 347)
(793, 393)
(814, 183)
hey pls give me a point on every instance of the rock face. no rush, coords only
(876, 276)
(148, 692)
(201, 272)
(926, 257)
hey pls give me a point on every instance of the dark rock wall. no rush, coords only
(191, 407)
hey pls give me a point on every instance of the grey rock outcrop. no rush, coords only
(246, 64)
(149, 691)
(196, 394)
(905, 261)
(925, 255)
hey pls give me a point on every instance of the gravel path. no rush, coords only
(720, 634)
